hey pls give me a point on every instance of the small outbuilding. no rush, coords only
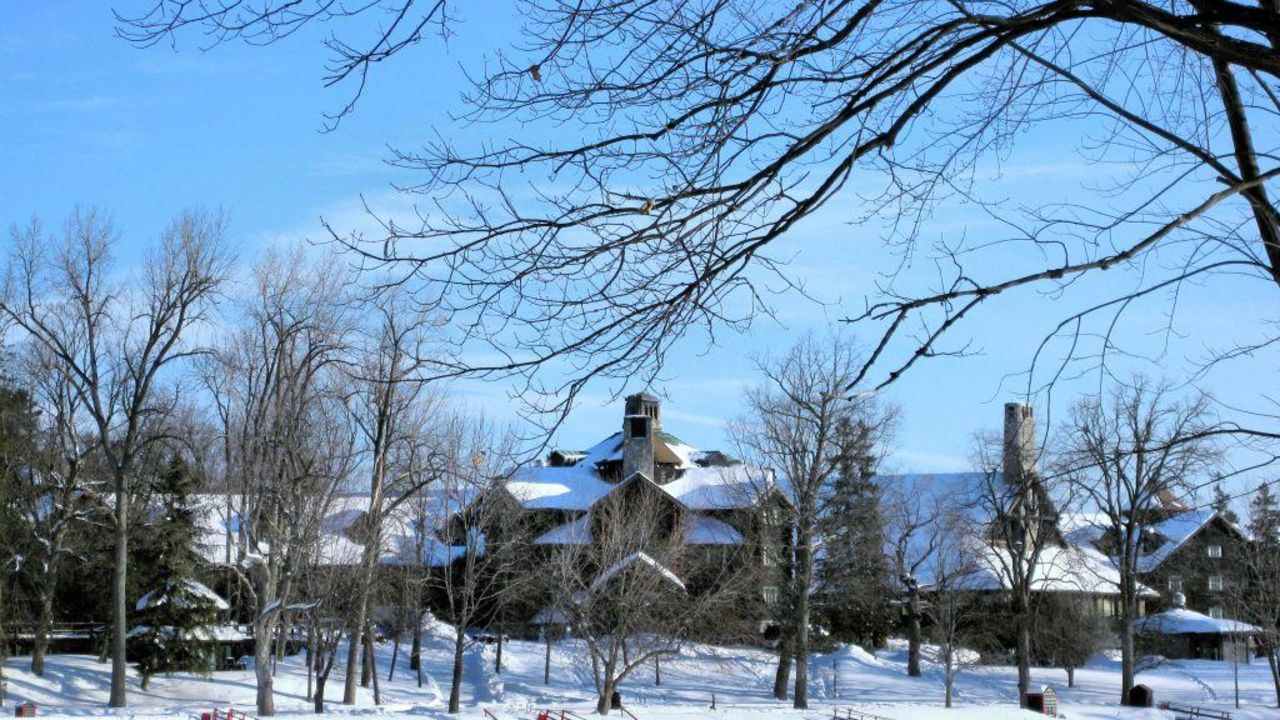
(1182, 633)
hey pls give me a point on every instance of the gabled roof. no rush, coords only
(1090, 529)
(636, 559)
(1177, 531)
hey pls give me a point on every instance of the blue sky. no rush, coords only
(89, 119)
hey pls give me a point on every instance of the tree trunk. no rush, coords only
(546, 663)
(1071, 676)
(262, 669)
(497, 660)
(1128, 613)
(119, 599)
(395, 655)
(948, 667)
(605, 700)
(415, 653)
(311, 659)
(366, 675)
(353, 662)
(373, 667)
(455, 683)
(44, 621)
(913, 633)
(318, 704)
(782, 676)
(1022, 619)
(804, 580)
(1274, 662)
(657, 671)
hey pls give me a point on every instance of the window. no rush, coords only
(1175, 583)
(775, 516)
(769, 593)
(1215, 612)
(1215, 551)
(769, 556)
(1215, 582)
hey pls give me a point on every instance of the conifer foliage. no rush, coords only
(854, 571)
(176, 617)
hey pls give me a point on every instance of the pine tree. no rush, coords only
(1264, 518)
(855, 592)
(175, 618)
(17, 422)
(1222, 504)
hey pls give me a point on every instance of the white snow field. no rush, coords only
(740, 678)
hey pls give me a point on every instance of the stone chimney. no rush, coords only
(641, 421)
(1019, 452)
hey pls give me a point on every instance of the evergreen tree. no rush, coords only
(176, 617)
(1222, 504)
(1260, 600)
(17, 422)
(1264, 518)
(855, 591)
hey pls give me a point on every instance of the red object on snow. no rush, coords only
(26, 709)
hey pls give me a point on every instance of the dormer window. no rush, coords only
(1214, 551)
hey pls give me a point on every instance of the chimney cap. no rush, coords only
(643, 396)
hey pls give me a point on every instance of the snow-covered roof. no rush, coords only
(610, 450)
(191, 592)
(1083, 528)
(1181, 621)
(703, 530)
(1089, 528)
(1068, 569)
(219, 519)
(1177, 530)
(635, 558)
(206, 633)
(576, 487)
(574, 532)
(719, 488)
(1058, 569)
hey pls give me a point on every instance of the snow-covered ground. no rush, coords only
(739, 678)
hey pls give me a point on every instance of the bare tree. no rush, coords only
(389, 403)
(635, 592)
(1128, 456)
(915, 515)
(792, 423)
(684, 141)
(1016, 503)
(478, 558)
(114, 338)
(1069, 630)
(286, 435)
(951, 604)
(57, 494)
